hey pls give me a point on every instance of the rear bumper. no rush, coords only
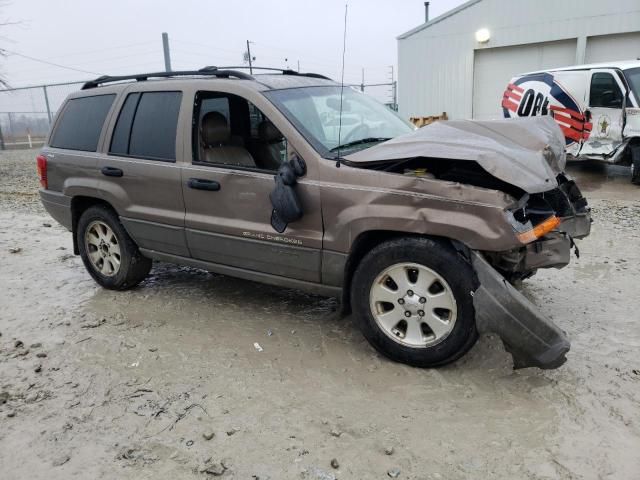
(532, 339)
(58, 206)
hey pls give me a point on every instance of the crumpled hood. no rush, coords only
(525, 152)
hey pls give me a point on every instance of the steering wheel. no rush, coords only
(361, 131)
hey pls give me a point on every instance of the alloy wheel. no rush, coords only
(103, 249)
(413, 305)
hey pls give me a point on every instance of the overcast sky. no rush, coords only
(124, 36)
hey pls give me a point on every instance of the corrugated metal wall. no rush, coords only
(435, 64)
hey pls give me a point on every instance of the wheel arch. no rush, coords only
(626, 156)
(79, 204)
(370, 239)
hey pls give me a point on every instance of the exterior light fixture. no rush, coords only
(483, 35)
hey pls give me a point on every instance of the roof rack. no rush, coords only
(284, 71)
(212, 71)
(140, 77)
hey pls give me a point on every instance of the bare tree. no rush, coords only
(3, 24)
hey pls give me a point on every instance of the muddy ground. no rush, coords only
(164, 381)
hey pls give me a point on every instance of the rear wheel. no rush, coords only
(412, 298)
(109, 254)
(635, 164)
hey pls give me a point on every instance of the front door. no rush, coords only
(606, 102)
(236, 152)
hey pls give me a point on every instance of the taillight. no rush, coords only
(42, 170)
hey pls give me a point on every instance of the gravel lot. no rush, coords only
(165, 382)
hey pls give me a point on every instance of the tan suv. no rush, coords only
(291, 179)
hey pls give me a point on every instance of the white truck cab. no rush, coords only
(596, 106)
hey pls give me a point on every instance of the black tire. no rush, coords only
(440, 257)
(635, 164)
(133, 266)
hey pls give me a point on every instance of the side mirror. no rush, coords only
(284, 198)
(299, 165)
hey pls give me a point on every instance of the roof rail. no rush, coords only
(208, 71)
(284, 71)
(212, 71)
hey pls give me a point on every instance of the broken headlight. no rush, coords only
(533, 219)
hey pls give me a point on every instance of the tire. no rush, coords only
(109, 254)
(635, 164)
(454, 332)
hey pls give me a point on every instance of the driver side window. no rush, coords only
(604, 91)
(229, 130)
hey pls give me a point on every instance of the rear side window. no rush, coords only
(604, 91)
(147, 125)
(81, 122)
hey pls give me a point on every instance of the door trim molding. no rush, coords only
(311, 287)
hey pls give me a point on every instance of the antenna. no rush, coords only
(344, 48)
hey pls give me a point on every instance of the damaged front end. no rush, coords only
(547, 224)
(525, 159)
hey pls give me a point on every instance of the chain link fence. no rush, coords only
(26, 113)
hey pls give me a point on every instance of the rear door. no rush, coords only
(139, 175)
(605, 107)
(228, 210)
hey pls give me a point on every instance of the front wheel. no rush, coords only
(412, 298)
(109, 254)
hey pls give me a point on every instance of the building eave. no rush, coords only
(438, 19)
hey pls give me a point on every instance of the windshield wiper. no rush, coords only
(362, 141)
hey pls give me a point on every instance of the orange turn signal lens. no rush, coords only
(539, 230)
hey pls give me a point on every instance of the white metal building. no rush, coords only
(443, 67)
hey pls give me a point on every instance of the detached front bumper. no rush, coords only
(532, 339)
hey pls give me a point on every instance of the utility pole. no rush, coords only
(1, 139)
(167, 55)
(46, 102)
(362, 83)
(249, 55)
(11, 133)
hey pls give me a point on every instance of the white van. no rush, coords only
(597, 107)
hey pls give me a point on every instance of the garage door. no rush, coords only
(609, 48)
(494, 67)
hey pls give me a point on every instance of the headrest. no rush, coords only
(215, 129)
(268, 133)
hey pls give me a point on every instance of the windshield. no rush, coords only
(633, 79)
(315, 112)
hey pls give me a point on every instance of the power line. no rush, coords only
(99, 60)
(47, 62)
(88, 52)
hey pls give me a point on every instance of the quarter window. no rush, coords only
(147, 126)
(604, 91)
(120, 138)
(81, 122)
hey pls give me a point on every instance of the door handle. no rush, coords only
(112, 172)
(202, 184)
